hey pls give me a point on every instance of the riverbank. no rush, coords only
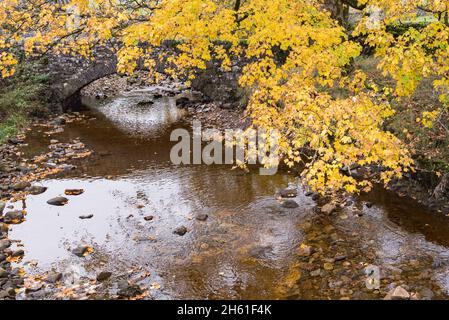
(19, 178)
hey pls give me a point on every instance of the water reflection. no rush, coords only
(243, 250)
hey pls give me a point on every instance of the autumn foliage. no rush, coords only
(298, 65)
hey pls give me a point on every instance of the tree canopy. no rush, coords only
(328, 114)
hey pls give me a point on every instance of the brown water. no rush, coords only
(247, 248)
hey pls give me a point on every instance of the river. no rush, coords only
(248, 246)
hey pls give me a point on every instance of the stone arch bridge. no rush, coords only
(68, 75)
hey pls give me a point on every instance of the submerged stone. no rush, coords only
(180, 231)
(290, 204)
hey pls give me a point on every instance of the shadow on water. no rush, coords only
(243, 250)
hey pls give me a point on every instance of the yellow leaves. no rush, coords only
(429, 118)
(293, 54)
(7, 63)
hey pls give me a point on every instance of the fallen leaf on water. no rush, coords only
(88, 251)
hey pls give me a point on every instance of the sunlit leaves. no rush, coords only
(294, 56)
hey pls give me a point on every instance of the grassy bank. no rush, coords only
(429, 146)
(21, 97)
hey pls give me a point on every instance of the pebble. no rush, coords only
(305, 250)
(201, 217)
(180, 231)
(315, 273)
(148, 218)
(339, 258)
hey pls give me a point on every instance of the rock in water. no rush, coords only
(87, 216)
(2, 207)
(148, 218)
(130, 291)
(397, 293)
(369, 204)
(305, 250)
(18, 254)
(201, 217)
(183, 102)
(180, 231)
(58, 201)
(4, 244)
(104, 275)
(19, 186)
(13, 216)
(36, 190)
(53, 277)
(290, 204)
(74, 192)
(81, 251)
(288, 193)
(329, 208)
(3, 273)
